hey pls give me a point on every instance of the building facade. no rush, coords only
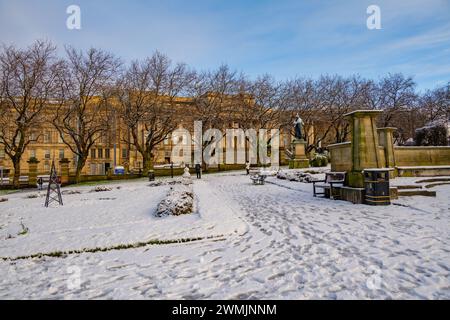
(111, 148)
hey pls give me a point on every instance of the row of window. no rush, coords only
(47, 154)
(47, 137)
(95, 153)
(99, 154)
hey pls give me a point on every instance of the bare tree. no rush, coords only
(27, 83)
(396, 93)
(265, 102)
(84, 94)
(215, 96)
(435, 104)
(148, 99)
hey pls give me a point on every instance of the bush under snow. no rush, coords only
(295, 175)
(101, 189)
(179, 200)
(170, 182)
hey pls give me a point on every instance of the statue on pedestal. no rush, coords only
(298, 125)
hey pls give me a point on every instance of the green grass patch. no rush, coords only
(6, 192)
(63, 254)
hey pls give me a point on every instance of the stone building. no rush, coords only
(111, 149)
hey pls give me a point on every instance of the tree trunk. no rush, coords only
(80, 165)
(147, 162)
(16, 164)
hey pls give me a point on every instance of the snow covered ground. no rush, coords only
(274, 241)
(123, 215)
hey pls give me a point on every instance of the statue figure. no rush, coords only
(298, 123)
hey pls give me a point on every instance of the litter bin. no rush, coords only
(376, 185)
(151, 175)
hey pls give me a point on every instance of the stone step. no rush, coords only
(410, 193)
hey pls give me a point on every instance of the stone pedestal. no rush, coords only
(299, 152)
(365, 151)
(64, 171)
(32, 172)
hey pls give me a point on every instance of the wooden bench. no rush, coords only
(258, 178)
(23, 180)
(332, 179)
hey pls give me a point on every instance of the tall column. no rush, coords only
(64, 171)
(365, 144)
(32, 171)
(385, 136)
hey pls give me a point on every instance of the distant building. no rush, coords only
(110, 149)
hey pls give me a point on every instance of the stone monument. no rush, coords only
(298, 158)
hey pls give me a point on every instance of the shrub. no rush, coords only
(319, 160)
(434, 135)
(33, 160)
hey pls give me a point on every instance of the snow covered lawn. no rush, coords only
(88, 219)
(279, 242)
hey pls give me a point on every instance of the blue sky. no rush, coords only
(285, 38)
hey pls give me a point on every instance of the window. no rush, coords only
(47, 137)
(33, 137)
(61, 154)
(166, 140)
(32, 153)
(60, 138)
(124, 153)
(93, 154)
(100, 153)
(46, 166)
(107, 154)
(47, 154)
(2, 153)
(93, 169)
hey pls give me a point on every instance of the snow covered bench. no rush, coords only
(332, 179)
(258, 178)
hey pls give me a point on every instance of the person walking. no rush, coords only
(40, 182)
(198, 170)
(247, 167)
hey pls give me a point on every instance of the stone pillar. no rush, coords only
(385, 136)
(365, 144)
(299, 153)
(32, 172)
(64, 171)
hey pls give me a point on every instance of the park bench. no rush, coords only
(258, 178)
(332, 179)
(23, 180)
